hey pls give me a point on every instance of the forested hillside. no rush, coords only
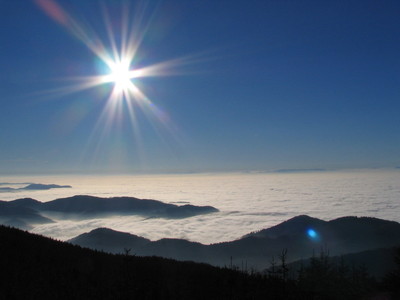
(35, 267)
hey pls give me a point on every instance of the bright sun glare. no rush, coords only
(120, 65)
(120, 75)
(117, 57)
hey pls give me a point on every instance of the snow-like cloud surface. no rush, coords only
(247, 202)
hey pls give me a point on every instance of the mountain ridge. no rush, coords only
(33, 186)
(257, 249)
(29, 211)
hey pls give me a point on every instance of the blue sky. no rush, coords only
(268, 85)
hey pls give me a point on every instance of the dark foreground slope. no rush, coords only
(35, 267)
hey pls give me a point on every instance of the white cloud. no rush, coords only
(247, 202)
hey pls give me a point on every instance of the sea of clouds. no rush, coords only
(247, 201)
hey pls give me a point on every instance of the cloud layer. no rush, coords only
(247, 202)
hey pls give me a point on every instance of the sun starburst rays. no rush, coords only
(120, 71)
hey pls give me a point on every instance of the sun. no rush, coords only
(120, 64)
(120, 67)
(121, 74)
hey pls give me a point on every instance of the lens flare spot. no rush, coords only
(312, 234)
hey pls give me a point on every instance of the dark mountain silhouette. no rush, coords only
(113, 241)
(34, 186)
(29, 211)
(35, 267)
(295, 226)
(340, 236)
(20, 216)
(39, 186)
(89, 205)
(26, 202)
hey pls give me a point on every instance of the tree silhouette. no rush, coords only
(391, 281)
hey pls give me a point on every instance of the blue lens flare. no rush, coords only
(312, 234)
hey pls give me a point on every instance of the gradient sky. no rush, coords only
(269, 85)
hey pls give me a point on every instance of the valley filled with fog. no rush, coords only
(246, 202)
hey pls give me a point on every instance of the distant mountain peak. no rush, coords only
(104, 231)
(28, 202)
(101, 238)
(290, 227)
(39, 186)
